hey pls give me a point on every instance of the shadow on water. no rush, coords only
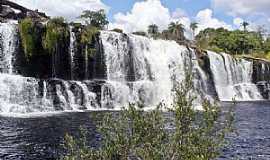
(42, 137)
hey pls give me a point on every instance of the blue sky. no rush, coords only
(191, 7)
(133, 15)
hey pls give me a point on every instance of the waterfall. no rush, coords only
(138, 70)
(145, 70)
(233, 78)
(72, 50)
(9, 38)
(19, 94)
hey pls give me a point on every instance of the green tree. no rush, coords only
(176, 30)
(56, 32)
(95, 18)
(31, 35)
(153, 30)
(245, 24)
(140, 33)
(232, 42)
(135, 134)
(193, 26)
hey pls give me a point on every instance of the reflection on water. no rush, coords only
(42, 137)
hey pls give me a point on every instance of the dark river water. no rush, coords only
(41, 137)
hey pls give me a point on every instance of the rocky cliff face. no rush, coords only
(11, 10)
(261, 76)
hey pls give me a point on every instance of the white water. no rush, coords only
(72, 45)
(156, 66)
(8, 40)
(139, 70)
(233, 78)
(19, 94)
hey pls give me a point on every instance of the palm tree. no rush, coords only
(177, 30)
(245, 24)
(153, 30)
(193, 26)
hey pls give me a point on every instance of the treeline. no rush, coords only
(234, 42)
(175, 31)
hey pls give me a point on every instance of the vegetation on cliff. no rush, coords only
(234, 42)
(56, 32)
(175, 31)
(87, 36)
(139, 135)
(29, 33)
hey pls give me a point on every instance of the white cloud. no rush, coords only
(205, 20)
(243, 7)
(149, 12)
(179, 13)
(143, 14)
(70, 9)
(153, 12)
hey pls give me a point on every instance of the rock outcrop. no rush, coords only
(14, 11)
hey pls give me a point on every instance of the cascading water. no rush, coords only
(138, 70)
(72, 45)
(9, 40)
(233, 78)
(146, 69)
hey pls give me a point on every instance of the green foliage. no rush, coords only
(153, 31)
(117, 30)
(56, 32)
(193, 26)
(265, 56)
(95, 18)
(234, 42)
(29, 36)
(88, 34)
(176, 30)
(140, 33)
(139, 135)
(245, 24)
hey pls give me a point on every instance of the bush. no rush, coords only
(56, 32)
(87, 36)
(29, 36)
(140, 33)
(139, 135)
(117, 30)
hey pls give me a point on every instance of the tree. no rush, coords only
(176, 30)
(193, 26)
(28, 29)
(245, 24)
(140, 33)
(153, 30)
(95, 18)
(56, 32)
(139, 135)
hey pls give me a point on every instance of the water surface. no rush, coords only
(42, 137)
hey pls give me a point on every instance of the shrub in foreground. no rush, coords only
(186, 134)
